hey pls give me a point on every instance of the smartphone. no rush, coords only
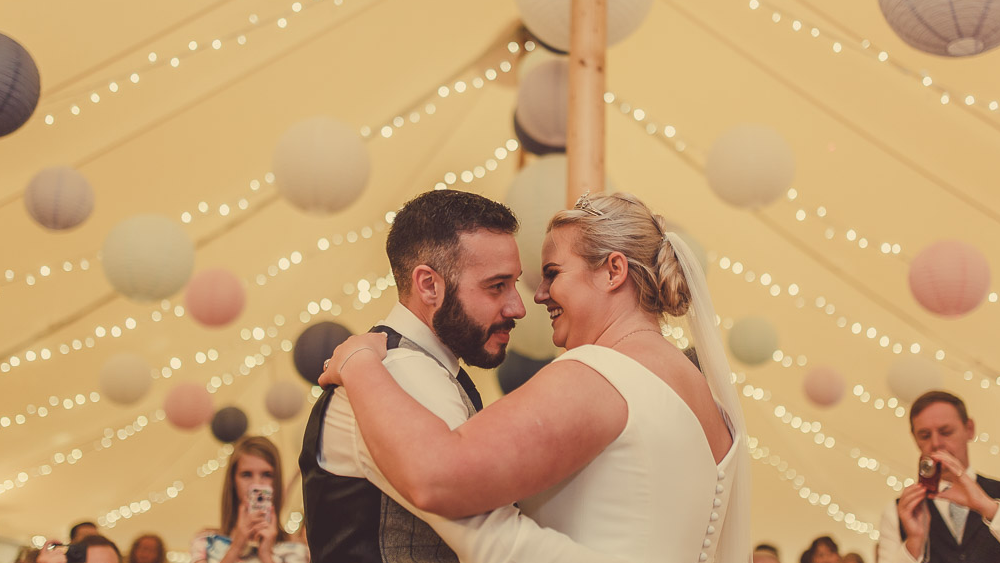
(929, 473)
(259, 498)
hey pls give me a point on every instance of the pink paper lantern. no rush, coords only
(215, 297)
(824, 386)
(950, 278)
(188, 406)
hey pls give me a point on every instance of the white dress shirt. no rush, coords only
(503, 535)
(892, 550)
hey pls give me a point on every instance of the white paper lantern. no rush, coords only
(549, 20)
(912, 376)
(537, 193)
(19, 85)
(59, 198)
(753, 340)
(125, 378)
(750, 166)
(950, 28)
(321, 165)
(542, 101)
(284, 399)
(147, 257)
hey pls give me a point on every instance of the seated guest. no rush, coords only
(99, 549)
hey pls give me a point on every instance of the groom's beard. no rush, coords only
(465, 338)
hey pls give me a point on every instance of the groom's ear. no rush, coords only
(616, 267)
(428, 285)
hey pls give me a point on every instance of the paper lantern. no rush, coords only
(19, 85)
(215, 297)
(542, 100)
(824, 386)
(229, 424)
(753, 340)
(59, 198)
(950, 28)
(949, 278)
(549, 20)
(750, 166)
(188, 406)
(147, 257)
(532, 337)
(516, 369)
(125, 378)
(284, 399)
(314, 346)
(912, 376)
(321, 165)
(536, 194)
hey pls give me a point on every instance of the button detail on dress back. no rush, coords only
(707, 543)
(722, 475)
(717, 503)
(714, 516)
(710, 530)
(703, 556)
(719, 489)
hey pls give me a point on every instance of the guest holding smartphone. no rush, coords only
(251, 502)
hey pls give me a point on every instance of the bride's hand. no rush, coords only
(375, 342)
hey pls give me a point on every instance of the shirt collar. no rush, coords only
(407, 324)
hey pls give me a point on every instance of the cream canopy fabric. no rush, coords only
(161, 119)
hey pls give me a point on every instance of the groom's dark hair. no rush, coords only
(426, 231)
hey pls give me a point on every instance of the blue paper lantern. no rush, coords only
(229, 424)
(19, 85)
(314, 346)
(516, 369)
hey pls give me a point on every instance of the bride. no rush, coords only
(621, 443)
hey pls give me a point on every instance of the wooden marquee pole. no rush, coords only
(585, 127)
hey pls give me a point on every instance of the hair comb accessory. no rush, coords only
(583, 204)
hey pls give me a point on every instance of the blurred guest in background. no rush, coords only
(147, 548)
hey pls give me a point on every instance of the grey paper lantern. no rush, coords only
(59, 198)
(125, 378)
(542, 101)
(950, 28)
(19, 85)
(148, 257)
(753, 340)
(284, 399)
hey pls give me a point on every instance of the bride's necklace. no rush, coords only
(635, 332)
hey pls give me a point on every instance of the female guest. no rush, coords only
(249, 535)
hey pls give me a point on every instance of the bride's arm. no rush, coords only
(525, 442)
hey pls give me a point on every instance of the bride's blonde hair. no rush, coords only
(620, 222)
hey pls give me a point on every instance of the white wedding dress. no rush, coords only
(655, 493)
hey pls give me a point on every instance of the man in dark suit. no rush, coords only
(960, 523)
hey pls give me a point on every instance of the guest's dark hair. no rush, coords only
(100, 541)
(761, 546)
(76, 527)
(426, 231)
(161, 550)
(931, 397)
(825, 541)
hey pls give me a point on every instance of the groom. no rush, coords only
(455, 263)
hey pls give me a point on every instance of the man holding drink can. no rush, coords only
(951, 514)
